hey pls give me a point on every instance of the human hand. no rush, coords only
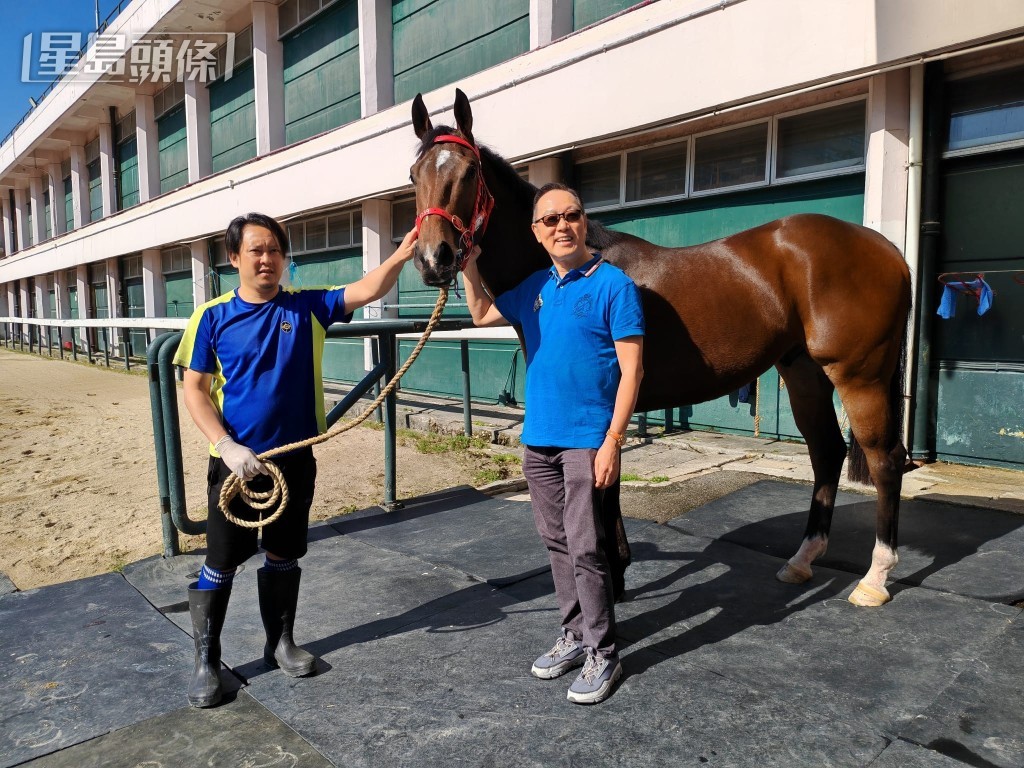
(240, 459)
(405, 248)
(606, 465)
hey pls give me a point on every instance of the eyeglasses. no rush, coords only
(551, 220)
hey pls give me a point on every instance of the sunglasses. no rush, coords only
(551, 220)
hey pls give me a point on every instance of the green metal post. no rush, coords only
(170, 533)
(389, 347)
(467, 411)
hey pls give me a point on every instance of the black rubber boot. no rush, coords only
(207, 608)
(279, 595)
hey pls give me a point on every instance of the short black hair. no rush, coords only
(552, 186)
(233, 234)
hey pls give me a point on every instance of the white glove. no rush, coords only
(240, 460)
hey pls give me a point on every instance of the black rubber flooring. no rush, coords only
(427, 620)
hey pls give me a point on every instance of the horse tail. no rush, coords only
(857, 466)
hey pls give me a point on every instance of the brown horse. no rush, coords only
(824, 301)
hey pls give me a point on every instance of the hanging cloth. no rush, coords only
(977, 288)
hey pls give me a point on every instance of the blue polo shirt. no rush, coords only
(266, 362)
(570, 326)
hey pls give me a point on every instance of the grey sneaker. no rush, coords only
(596, 681)
(566, 654)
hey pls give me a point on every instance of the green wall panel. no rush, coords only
(980, 417)
(223, 280)
(128, 168)
(585, 12)
(343, 360)
(417, 300)
(95, 192)
(180, 302)
(233, 118)
(439, 42)
(698, 220)
(438, 369)
(321, 74)
(134, 293)
(172, 149)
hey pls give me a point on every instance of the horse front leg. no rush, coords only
(810, 396)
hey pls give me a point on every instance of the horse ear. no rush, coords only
(464, 115)
(420, 117)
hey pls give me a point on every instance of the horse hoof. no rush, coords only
(867, 596)
(794, 574)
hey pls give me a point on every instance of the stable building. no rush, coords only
(679, 121)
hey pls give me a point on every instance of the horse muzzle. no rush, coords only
(437, 266)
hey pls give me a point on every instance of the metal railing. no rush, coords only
(166, 426)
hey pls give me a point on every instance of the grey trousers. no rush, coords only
(567, 511)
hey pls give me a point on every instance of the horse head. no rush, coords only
(453, 203)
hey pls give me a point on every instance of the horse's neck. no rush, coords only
(509, 253)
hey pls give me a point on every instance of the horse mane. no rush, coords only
(600, 238)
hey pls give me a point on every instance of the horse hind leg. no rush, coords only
(810, 396)
(874, 422)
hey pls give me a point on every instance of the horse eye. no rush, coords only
(471, 172)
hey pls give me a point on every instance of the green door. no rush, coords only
(100, 311)
(136, 300)
(73, 312)
(978, 360)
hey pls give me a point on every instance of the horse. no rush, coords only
(824, 301)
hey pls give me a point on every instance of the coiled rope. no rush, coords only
(278, 495)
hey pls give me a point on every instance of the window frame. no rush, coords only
(796, 178)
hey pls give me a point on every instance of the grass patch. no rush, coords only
(434, 442)
(632, 477)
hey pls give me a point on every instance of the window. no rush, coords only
(821, 141)
(131, 266)
(98, 272)
(343, 229)
(292, 13)
(656, 172)
(167, 99)
(403, 218)
(177, 259)
(985, 111)
(598, 181)
(737, 157)
(219, 254)
(241, 52)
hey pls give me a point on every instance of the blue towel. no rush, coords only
(978, 287)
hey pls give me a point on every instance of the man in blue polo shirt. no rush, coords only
(583, 328)
(253, 383)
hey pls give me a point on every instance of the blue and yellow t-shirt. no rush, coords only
(570, 326)
(266, 362)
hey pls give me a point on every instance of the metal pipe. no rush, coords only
(106, 347)
(912, 250)
(172, 439)
(389, 342)
(170, 533)
(923, 436)
(467, 411)
(371, 379)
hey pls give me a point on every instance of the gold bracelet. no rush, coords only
(619, 438)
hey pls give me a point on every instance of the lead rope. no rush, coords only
(278, 495)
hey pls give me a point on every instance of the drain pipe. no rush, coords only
(923, 438)
(911, 251)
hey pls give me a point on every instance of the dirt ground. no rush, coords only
(78, 485)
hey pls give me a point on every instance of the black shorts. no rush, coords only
(229, 545)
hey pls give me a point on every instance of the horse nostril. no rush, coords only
(444, 256)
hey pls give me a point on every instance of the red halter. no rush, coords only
(468, 235)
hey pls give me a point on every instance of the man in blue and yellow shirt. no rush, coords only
(252, 383)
